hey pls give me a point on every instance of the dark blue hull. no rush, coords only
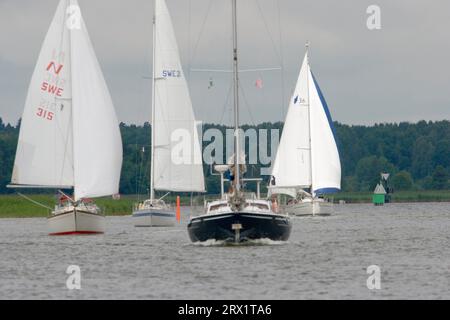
(251, 226)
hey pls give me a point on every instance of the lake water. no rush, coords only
(325, 258)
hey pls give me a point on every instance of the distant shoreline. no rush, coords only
(397, 197)
(14, 206)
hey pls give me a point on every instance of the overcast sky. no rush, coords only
(398, 73)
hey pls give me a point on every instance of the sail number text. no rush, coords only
(171, 73)
(55, 90)
(45, 114)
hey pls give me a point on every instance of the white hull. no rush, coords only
(310, 208)
(156, 217)
(74, 221)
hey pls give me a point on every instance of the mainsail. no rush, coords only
(69, 134)
(44, 154)
(292, 165)
(307, 156)
(175, 168)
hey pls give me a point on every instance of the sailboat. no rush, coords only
(307, 164)
(172, 114)
(238, 217)
(69, 135)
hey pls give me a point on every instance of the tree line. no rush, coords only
(417, 155)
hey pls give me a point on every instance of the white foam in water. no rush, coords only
(267, 242)
(209, 243)
(255, 242)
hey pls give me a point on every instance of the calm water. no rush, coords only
(325, 258)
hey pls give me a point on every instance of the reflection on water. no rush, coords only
(325, 258)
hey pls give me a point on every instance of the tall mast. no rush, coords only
(309, 118)
(71, 98)
(152, 156)
(237, 178)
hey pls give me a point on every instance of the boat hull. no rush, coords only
(310, 208)
(76, 222)
(154, 218)
(252, 226)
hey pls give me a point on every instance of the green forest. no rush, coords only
(417, 155)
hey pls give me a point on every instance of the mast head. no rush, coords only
(307, 44)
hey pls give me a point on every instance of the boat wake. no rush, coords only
(231, 243)
(313, 216)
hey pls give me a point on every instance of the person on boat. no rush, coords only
(274, 204)
(230, 176)
(64, 200)
(272, 181)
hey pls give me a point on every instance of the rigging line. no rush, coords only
(280, 34)
(137, 177)
(240, 70)
(201, 31)
(33, 201)
(227, 99)
(252, 119)
(138, 169)
(65, 135)
(268, 30)
(142, 170)
(189, 39)
(148, 69)
(60, 60)
(280, 53)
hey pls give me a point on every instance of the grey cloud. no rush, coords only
(400, 72)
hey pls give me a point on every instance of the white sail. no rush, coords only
(173, 113)
(69, 132)
(44, 154)
(292, 167)
(96, 134)
(326, 169)
(308, 156)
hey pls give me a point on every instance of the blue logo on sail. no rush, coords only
(171, 73)
(299, 99)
